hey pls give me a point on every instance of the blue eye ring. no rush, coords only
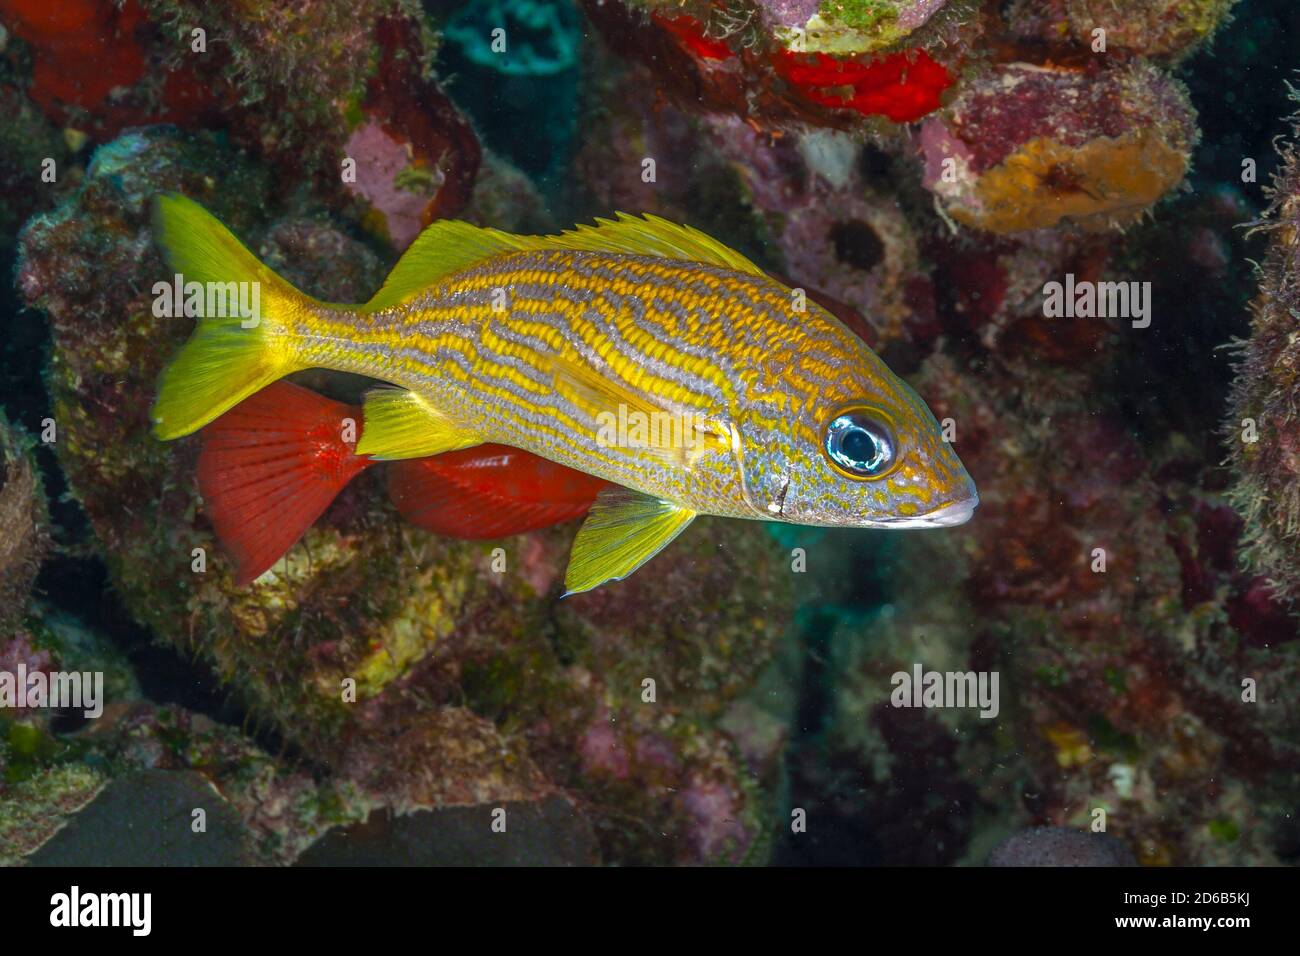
(860, 443)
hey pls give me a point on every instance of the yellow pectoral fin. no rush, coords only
(626, 417)
(623, 530)
(403, 424)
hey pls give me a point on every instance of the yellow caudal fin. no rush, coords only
(243, 310)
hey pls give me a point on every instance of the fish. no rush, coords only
(635, 350)
(269, 467)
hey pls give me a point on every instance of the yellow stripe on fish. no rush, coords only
(636, 350)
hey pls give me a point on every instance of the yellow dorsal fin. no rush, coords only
(442, 249)
(651, 236)
(448, 246)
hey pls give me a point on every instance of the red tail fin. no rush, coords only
(270, 466)
(489, 491)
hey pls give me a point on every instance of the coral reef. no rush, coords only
(307, 87)
(1026, 147)
(1165, 30)
(1263, 431)
(925, 169)
(883, 64)
(1058, 846)
(24, 525)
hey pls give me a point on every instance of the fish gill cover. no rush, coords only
(1025, 217)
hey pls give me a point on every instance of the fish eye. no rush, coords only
(860, 444)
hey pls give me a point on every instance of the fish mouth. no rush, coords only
(945, 516)
(953, 513)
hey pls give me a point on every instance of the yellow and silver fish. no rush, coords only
(639, 351)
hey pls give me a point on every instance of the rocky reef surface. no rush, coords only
(926, 170)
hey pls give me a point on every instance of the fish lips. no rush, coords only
(945, 516)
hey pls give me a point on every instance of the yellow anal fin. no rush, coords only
(404, 424)
(623, 530)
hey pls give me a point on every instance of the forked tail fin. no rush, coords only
(270, 467)
(234, 351)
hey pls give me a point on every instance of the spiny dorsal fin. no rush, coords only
(651, 236)
(443, 248)
(448, 246)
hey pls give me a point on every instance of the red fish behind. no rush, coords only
(271, 465)
(489, 491)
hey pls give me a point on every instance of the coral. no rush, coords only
(24, 525)
(854, 26)
(841, 27)
(504, 198)
(34, 810)
(27, 141)
(746, 63)
(418, 152)
(301, 85)
(1125, 685)
(900, 86)
(1026, 147)
(865, 255)
(1166, 30)
(91, 65)
(1122, 688)
(125, 790)
(1059, 846)
(1263, 428)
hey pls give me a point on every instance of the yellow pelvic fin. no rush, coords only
(623, 530)
(448, 246)
(403, 424)
(230, 356)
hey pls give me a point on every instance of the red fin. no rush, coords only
(270, 466)
(489, 491)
